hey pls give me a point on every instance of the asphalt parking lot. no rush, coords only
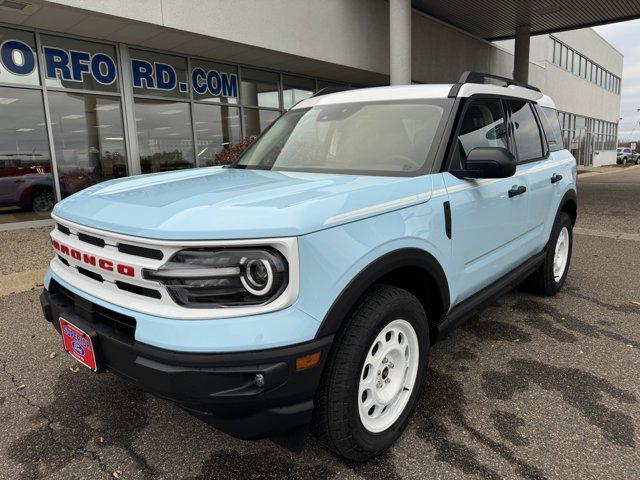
(531, 388)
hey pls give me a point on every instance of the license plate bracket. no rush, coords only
(81, 344)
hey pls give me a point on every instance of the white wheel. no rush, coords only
(561, 255)
(388, 376)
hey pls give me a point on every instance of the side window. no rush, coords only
(551, 126)
(526, 131)
(483, 125)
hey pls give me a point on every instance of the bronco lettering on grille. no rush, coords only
(102, 263)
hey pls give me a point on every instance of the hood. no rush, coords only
(225, 203)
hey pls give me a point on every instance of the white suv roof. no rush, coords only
(410, 92)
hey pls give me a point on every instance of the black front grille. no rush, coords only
(121, 325)
(88, 273)
(138, 290)
(153, 253)
(98, 242)
(127, 248)
(68, 297)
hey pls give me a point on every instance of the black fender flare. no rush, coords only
(405, 257)
(569, 195)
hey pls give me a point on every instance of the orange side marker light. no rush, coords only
(307, 361)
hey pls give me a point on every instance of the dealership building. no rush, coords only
(93, 90)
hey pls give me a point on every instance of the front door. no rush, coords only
(489, 226)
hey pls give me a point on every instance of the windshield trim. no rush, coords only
(445, 103)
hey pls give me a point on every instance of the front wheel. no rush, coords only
(374, 376)
(551, 275)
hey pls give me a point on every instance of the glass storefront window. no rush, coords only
(158, 74)
(295, 89)
(26, 182)
(260, 88)
(19, 63)
(324, 84)
(165, 137)
(214, 82)
(255, 121)
(78, 64)
(88, 137)
(217, 128)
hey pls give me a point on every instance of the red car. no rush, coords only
(26, 183)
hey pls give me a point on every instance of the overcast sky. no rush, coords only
(625, 37)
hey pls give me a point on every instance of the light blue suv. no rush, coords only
(305, 284)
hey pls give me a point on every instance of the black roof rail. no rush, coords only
(480, 77)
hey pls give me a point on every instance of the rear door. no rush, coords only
(488, 226)
(534, 162)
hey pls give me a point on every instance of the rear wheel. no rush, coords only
(374, 376)
(551, 275)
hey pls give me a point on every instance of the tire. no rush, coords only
(354, 380)
(42, 201)
(550, 277)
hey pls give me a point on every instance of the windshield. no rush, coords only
(381, 138)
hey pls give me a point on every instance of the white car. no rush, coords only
(626, 155)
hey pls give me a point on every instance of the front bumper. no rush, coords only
(219, 388)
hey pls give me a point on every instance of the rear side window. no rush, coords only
(526, 131)
(551, 126)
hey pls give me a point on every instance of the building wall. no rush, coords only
(590, 103)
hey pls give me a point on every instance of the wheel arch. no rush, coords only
(412, 269)
(569, 205)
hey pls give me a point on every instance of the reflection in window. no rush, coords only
(165, 138)
(88, 136)
(255, 121)
(551, 128)
(26, 182)
(260, 88)
(358, 137)
(107, 69)
(217, 129)
(483, 125)
(24, 59)
(526, 131)
(295, 89)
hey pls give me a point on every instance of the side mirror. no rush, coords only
(488, 162)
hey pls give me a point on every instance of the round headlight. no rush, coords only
(257, 276)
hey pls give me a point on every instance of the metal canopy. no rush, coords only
(498, 19)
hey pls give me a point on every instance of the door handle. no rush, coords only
(556, 178)
(517, 190)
